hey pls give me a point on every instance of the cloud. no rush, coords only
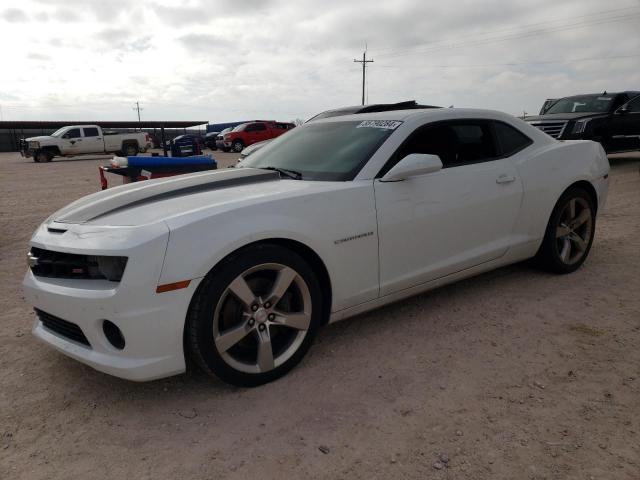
(65, 15)
(204, 42)
(205, 11)
(123, 40)
(228, 59)
(14, 15)
(38, 57)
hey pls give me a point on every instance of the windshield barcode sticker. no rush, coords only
(387, 124)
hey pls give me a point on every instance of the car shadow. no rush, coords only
(363, 328)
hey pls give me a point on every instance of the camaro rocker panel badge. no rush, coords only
(354, 237)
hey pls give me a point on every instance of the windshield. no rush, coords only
(324, 151)
(584, 103)
(239, 128)
(59, 132)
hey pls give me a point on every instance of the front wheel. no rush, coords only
(254, 317)
(569, 233)
(42, 156)
(237, 146)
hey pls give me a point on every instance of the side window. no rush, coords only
(250, 128)
(258, 127)
(455, 144)
(73, 133)
(90, 132)
(634, 105)
(510, 139)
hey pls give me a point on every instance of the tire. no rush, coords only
(130, 149)
(42, 156)
(245, 342)
(569, 234)
(237, 146)
(226, 149)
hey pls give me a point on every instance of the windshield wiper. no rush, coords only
(286, 172)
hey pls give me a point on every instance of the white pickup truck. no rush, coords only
(82, 140)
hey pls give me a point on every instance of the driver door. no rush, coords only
(625, 131)
(440, 223)
(72, 142)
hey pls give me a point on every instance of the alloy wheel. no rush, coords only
(574, 230)
(262, 318)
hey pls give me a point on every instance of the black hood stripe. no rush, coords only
(217, 185)
(137, 194)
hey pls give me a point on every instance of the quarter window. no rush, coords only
(90, 132)
(511, 140)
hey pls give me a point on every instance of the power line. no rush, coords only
(364, 62)
(517, 28)
(513, 64)
(498, 39)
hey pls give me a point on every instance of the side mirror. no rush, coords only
(623, 110)
(412, 165)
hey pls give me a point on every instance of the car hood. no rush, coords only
(38, 139)
(151, 201)
(253, 147)
(563, 116)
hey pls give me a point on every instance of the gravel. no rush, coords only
(63, 420)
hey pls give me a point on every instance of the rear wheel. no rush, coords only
(255, 316)
(569, 233)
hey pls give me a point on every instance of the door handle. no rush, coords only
(504, 178)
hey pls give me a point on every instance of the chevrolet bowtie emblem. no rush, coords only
(32, 260)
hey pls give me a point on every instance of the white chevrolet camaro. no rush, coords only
(238, 269)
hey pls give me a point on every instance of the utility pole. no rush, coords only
(137, 107)
(364, 62)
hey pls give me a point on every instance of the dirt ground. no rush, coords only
(515, 374)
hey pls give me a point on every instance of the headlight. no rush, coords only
(579, 126)
(34, 145)
(111, 268)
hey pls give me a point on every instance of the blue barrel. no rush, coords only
(150, 162)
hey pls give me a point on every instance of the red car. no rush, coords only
(253, 132)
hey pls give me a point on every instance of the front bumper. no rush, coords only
(152, 324)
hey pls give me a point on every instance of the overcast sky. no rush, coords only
(224, 60)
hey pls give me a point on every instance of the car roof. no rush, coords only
(420, 116)
(627, 92)
(375, 107)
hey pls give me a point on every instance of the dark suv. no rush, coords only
(613, 119)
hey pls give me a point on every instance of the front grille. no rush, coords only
(550, 127)
(62, 327)
(48, 263)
